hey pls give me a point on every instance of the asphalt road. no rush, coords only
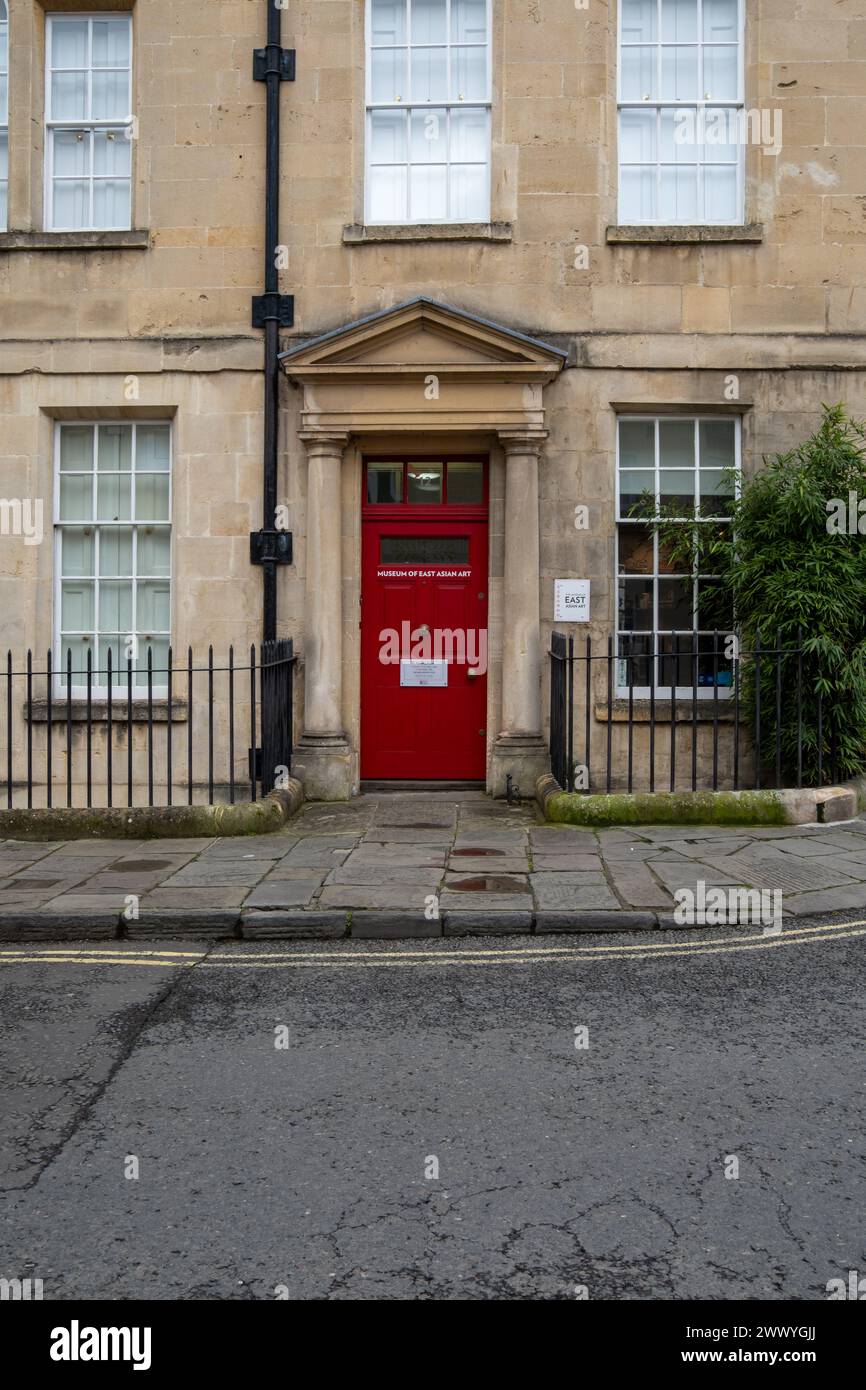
(309, 1170)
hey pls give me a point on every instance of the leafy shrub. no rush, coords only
(794, 576)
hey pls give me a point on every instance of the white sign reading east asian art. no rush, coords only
(571, 600)
(423, 672)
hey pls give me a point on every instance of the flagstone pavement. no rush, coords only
(416, 864)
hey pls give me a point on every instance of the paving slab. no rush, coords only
(831, 840)
(369, 875)
(404, 834)
(700, 849)
(827, 900)
(574, 863)
(285, 892)
(491, 839)
(488, 881)
(414, 819)
(219, 873)
(637, 887)
(561, 835)
(33, 876)
(283, 871)
(81, 904)
(100, 847)
(851, 865)
(806, 847)
(315, 852)
(138, 884)
(764, 869)
(572, 891)
(65, 864)
(353, 895)
(249, 847)
(633, 851)
(467, 904)
(41, 846)
(429, 856)
(204, 897)
(177, 845)
(34, 898)
(687, 873)
(486, 864)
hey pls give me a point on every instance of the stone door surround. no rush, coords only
(428, 369)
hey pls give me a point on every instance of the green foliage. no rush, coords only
(794, 576)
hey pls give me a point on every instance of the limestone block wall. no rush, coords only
(555, 175)
(657, 324)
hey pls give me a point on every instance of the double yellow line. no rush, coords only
(240, 958)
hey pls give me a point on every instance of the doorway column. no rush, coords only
(520, 748)
(322, 758)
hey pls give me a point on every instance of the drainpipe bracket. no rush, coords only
(273, 61)
(273, 306)
(270, 547)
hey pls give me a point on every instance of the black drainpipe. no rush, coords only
(272, 311)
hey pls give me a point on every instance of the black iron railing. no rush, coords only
(155, 732)
(686, 711)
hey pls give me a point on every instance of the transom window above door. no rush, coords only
(428, 111)
(425, 482)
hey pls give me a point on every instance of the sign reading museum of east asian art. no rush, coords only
(571, 600)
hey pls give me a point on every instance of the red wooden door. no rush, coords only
(424, 649)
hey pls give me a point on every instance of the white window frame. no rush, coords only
(702, 105)
(663, 692)
(4, 111)
(87, 125)
(99, 689)
(448, 105)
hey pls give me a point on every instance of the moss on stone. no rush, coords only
(667, 808)
(153, 822)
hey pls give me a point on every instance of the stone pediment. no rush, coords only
(422, 366)
(420, 337)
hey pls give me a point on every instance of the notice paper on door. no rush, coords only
(423, 672)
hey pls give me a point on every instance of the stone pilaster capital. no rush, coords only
(327, 443)
(522, 442)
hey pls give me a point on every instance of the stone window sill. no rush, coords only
(360, 235)
(688, 236)
(138, 240)
(99, 711)
(641, 711)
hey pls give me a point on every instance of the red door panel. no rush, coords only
(424, 732)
